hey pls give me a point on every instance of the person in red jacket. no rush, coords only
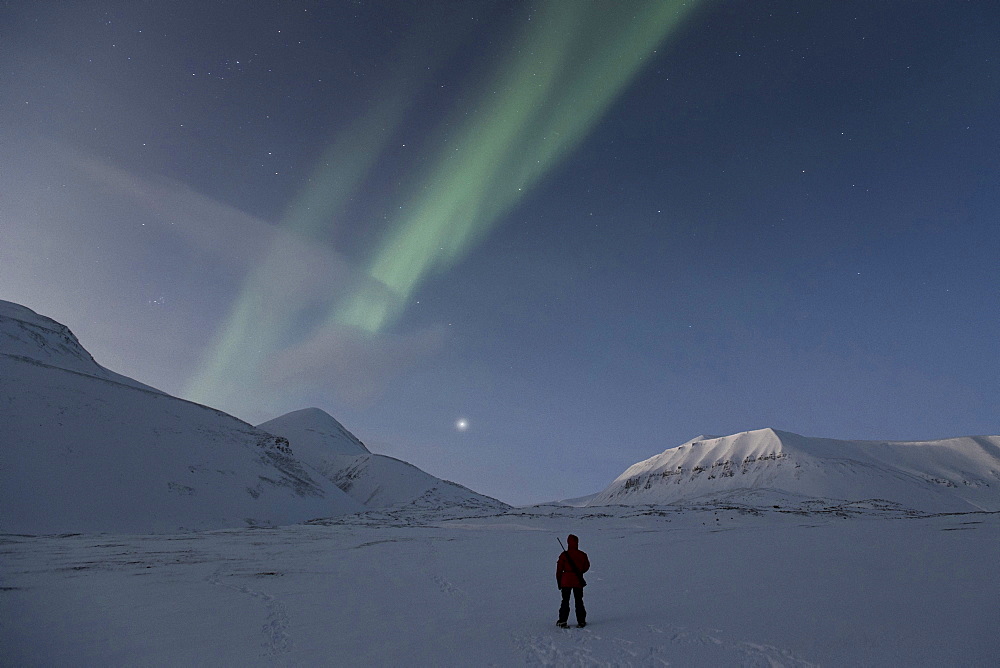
(572, 564)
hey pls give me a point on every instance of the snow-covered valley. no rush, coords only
(710, 585)
(137, 528)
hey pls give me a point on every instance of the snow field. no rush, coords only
(700, 587)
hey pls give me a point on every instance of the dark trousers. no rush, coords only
(581, 612)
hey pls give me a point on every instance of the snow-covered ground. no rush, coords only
(709, 585)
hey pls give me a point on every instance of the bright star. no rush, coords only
(461, 424)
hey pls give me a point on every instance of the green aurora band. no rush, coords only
(271, 300)
(569, 64)
(572, 62)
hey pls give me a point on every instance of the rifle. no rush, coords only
(572, 564)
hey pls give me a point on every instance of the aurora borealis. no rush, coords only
(520, 244)
(566, 67)
(571, 63)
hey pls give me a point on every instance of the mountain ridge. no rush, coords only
(27, 335)
(86, 449)
(953, 474)
(82, 443)
(374, 480)
(314, 429)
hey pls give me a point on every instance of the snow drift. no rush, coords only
(952, 475)
(86, 449)
(377, 481)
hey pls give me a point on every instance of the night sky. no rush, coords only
(521, 245)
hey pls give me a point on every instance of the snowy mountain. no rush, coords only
(316, 434)
(952, 475)
(377, 481)
(86, 449)
(27, 336)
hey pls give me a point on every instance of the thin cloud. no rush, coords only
(148, 272)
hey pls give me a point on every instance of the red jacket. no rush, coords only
(565, 575)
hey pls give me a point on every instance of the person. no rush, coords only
(572, 564)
